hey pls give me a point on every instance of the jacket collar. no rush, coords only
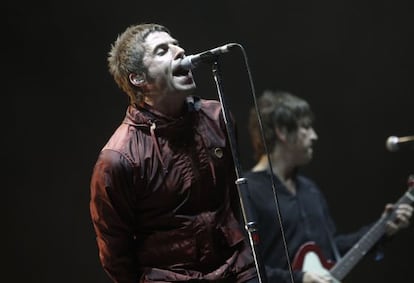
(144, 117)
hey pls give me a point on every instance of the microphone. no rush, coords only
(192, 61)
(394, 143)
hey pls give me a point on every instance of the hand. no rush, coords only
(402, 219)
(310, 277)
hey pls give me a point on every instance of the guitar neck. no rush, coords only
(374, 234)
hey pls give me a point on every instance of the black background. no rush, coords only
(352, 60)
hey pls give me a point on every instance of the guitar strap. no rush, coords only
(333, 245)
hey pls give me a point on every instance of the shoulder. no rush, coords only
(120, 137)
(254, 174)
(210, 108)
(111, 161)
(120, 146)
(308, 183)
(257, 179)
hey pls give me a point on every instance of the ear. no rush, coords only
(136, 79)
(281, 134)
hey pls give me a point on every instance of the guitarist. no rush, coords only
(287, 122)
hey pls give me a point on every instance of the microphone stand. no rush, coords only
(250, 224)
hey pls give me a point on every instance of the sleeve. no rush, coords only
(345, 241)
(111, 208)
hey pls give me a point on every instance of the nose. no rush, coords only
(178, 51)
(313, 134)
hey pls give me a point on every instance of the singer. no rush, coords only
(164, 202)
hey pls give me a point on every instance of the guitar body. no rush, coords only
(309, 258)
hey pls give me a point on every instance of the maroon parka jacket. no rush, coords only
(162, 199)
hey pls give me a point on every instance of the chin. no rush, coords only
(306, 159)
(188, 89)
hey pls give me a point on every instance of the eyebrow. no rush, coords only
(305, 122)
(173, 41)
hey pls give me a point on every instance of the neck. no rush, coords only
(280, 165)
(166, 106)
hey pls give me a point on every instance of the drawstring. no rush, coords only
(213, 172)
(157, 146)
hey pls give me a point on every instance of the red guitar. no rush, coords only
(310, 258)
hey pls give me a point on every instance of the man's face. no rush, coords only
(161, 60)
(302, 143)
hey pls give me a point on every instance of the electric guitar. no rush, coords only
(309, 256)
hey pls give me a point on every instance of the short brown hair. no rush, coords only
(278, 109)
(126, 55)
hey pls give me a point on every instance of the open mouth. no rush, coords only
(179, 72)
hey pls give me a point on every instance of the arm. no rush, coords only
(342, 241)
(403, 213)
(111, 211)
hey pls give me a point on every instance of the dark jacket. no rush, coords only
(161, 191)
